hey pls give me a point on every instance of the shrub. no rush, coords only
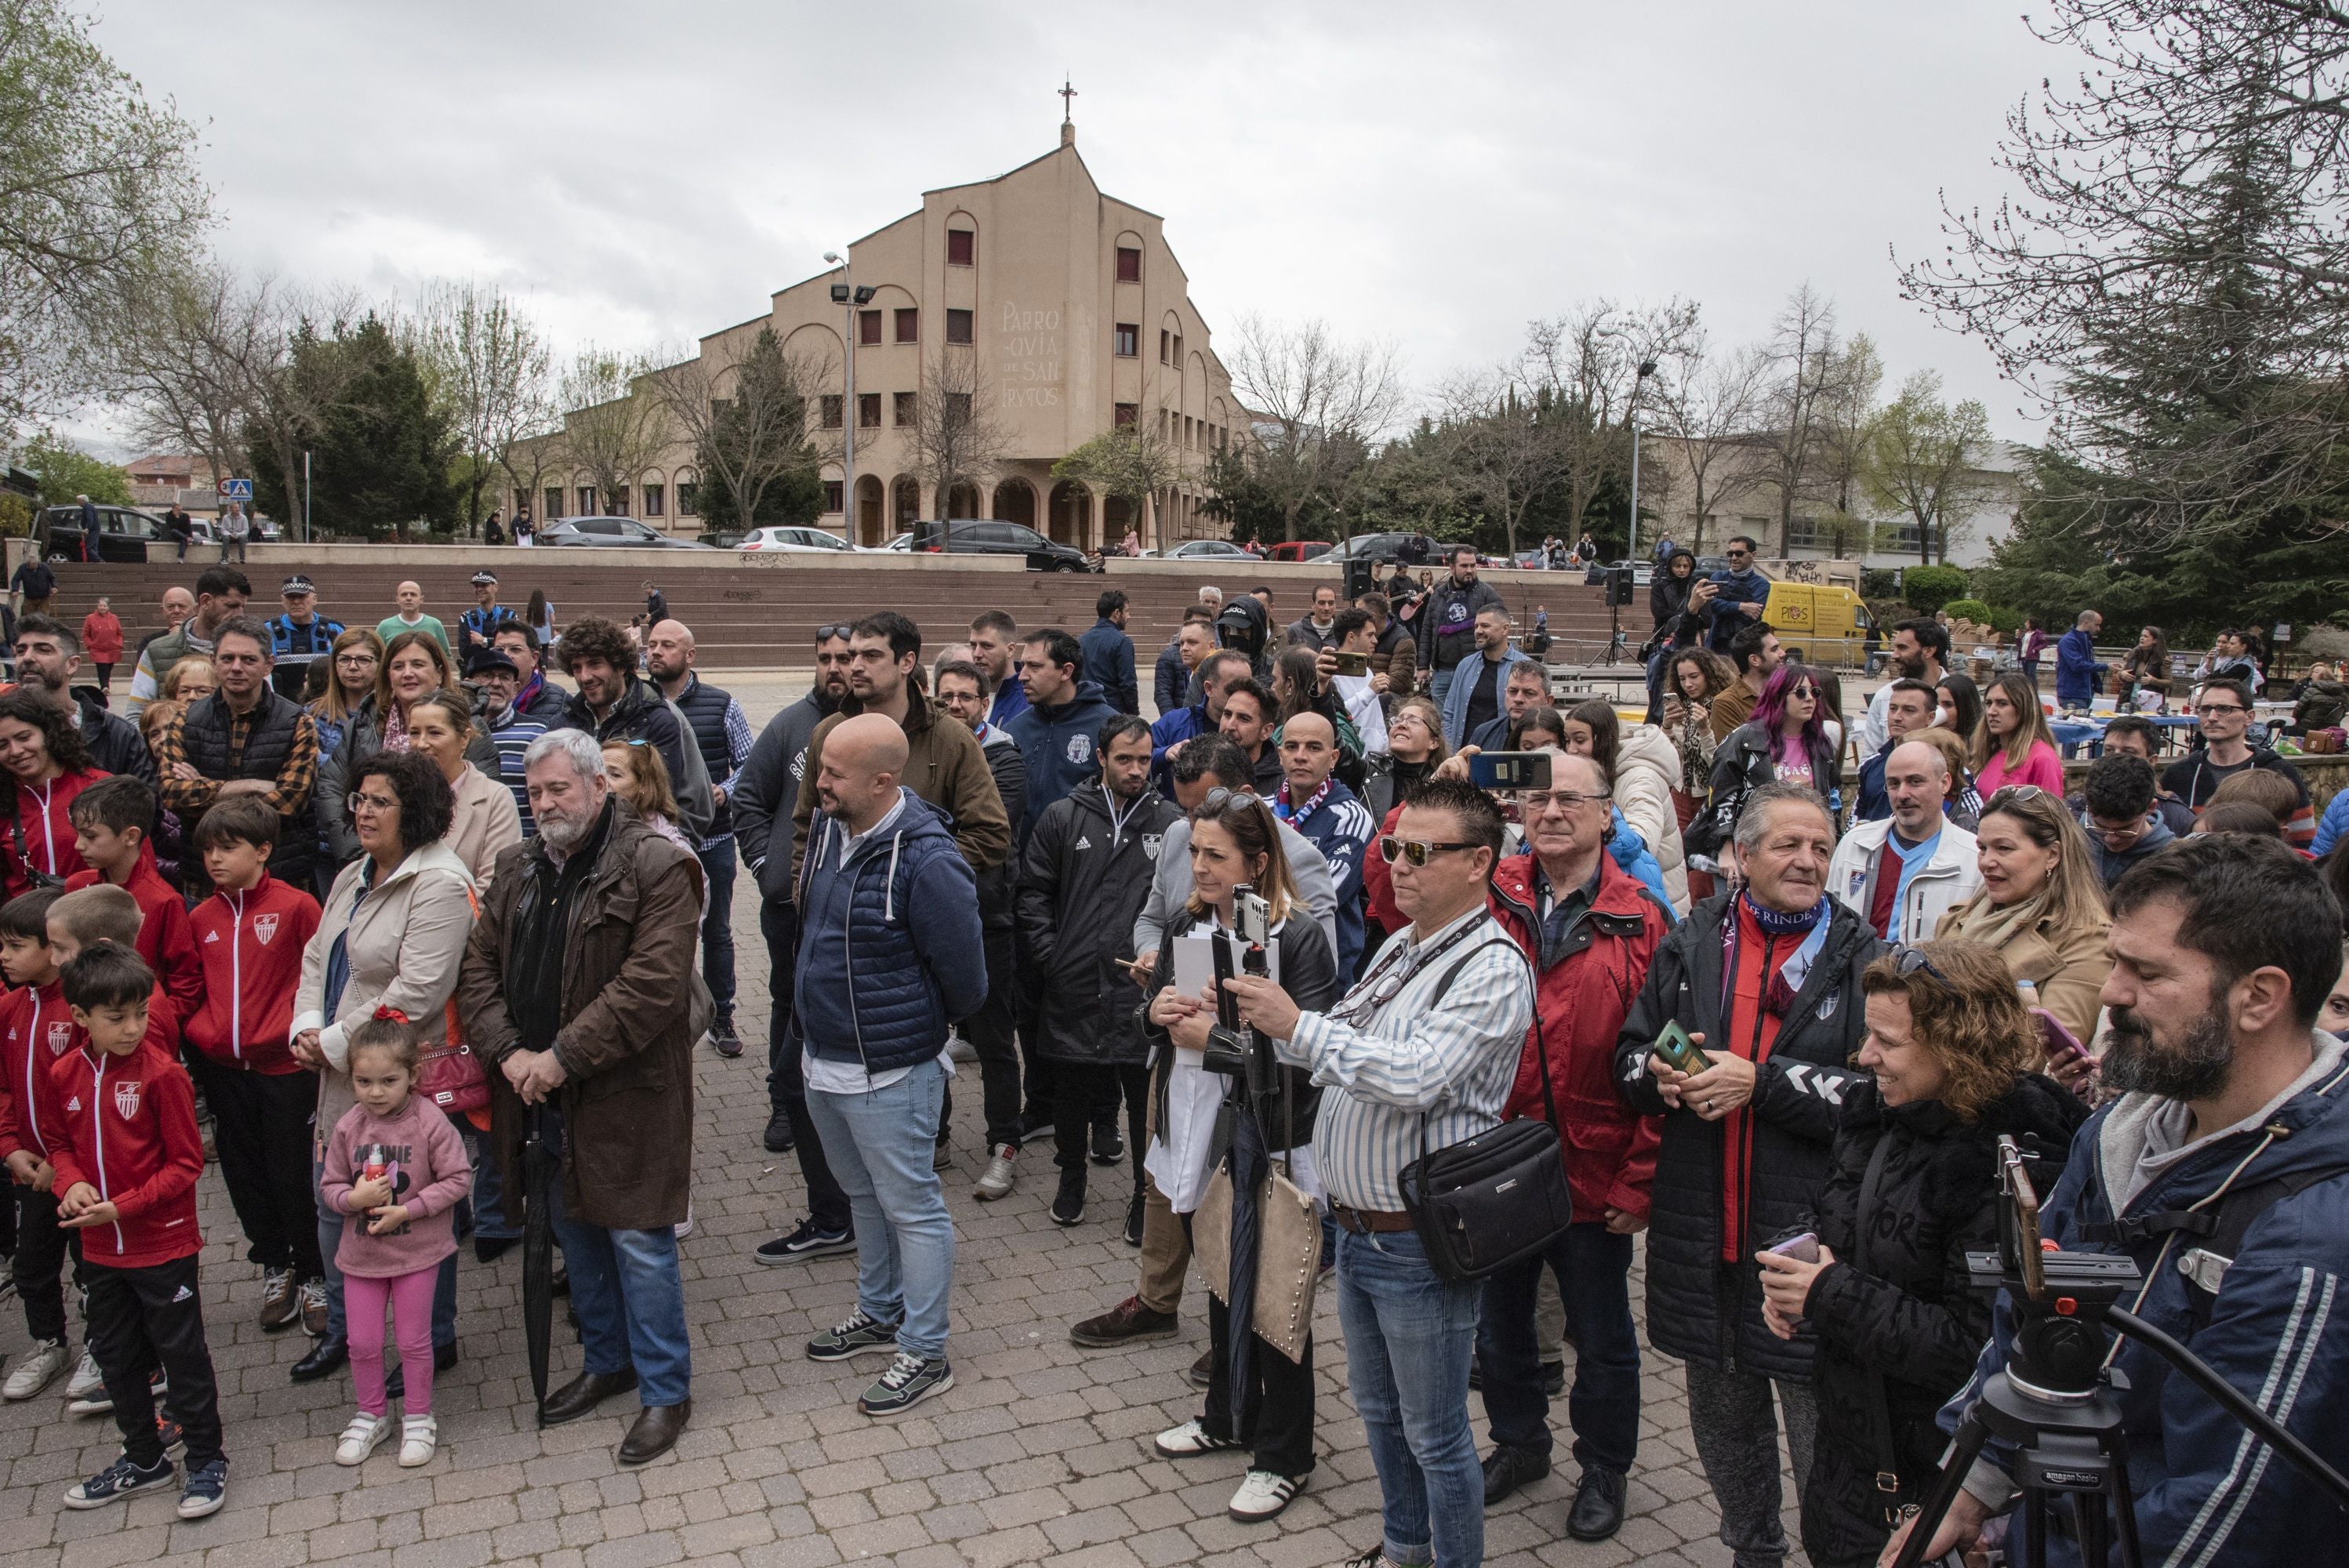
(1930, 588)
(2006, 623)
(15, 515)
(1972, 609)
(1879, 582)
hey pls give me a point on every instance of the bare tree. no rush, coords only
(487, 366)
(957, 439)
(1847, 413)
(1587, 362)
(616, 426)
(1132, 463)
(1506, 435)
(1321, 406)
(1804, 344)
(192, 354)
(1706, 408)
(1926, 459)
(743, 408)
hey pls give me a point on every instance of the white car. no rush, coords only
(901, 545)
(795, 541)
(1202, 549)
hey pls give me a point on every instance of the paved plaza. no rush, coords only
(1039, 1453)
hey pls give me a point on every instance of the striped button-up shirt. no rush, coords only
(1452, 1062)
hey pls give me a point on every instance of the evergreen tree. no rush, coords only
(380, 457)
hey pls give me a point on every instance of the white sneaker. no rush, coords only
(1189, 1440)
(1262, 1495)
(996, 1182)
(364, 1435)
(418, 1436)
(683, 1229)
(87, 1379)
(959, 1050)
(42, 1363)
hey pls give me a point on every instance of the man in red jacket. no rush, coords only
(250, 935)
(114, 831)
(1591, 929)
(126, 1163)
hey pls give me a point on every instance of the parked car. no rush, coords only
(612, 532)
(124, 533)
(1385, 548)
(1300, 550)
(1642, 572)
(795, 542)
(989, 536)
(1202, 550)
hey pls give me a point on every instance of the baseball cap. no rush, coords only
(484, 660)
(297, 583)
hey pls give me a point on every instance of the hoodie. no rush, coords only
(249, 942)
(128, 1129)
(1056, 743)
(2112, 864)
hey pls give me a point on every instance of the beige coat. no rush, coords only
(406, 943)
(484, 822)
(1647, 767)
(2067, 967)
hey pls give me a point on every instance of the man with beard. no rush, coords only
(2222, 1170)
(48, 655)
(613, 704)
(764, 793)
(578, 985)
(220, 593)
(1920, 652)
(722, 733)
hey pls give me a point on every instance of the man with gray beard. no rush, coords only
(2222, 1170)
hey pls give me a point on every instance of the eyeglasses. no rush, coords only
(356, 661)
(1392, 849)
(361, 801)
(1907, 961)
(1538, 800)
(2209, 708)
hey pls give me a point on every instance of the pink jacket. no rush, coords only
(2041, 765)
(421, 1152)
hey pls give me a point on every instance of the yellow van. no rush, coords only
(1819, 625)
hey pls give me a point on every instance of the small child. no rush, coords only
(249, 937)
(36, 1029)
(114, 833)
(396, 1157)
(128, 1159)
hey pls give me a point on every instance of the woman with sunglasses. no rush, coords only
(1789, 740)
(1912, 1186)
(2014, 744)
(1235, 841)
(2041, 908)
(1415, 742)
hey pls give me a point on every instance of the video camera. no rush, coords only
(1234, 1049)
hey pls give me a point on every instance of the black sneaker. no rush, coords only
(809, 1240)
(910, 1379)
(778, 1138)
(1068, 1203)
(858, 1335)
(724, 1040)
(119, 1481)
(1109, 1144)
(1134, 1221)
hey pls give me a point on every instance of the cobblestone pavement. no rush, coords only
(1039, 1453)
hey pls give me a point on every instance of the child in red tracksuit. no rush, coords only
(36, 1029)
(114, 826)
(249, 936)
(127, 1161)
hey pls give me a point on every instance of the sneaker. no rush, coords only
(420, 1435)
(1200, 1372)
(1191, 1440)
(119, 1481)
(207, 1489)
(316, 1308)
(725, 1042)
(942, 1155)
(1262, 1495)
(996, 1182)
(98, 1402)
(810, 1240)
(364, 1435)
(684, 1227)
(169, 1433)
(910, 1379)
(1134, 1216)
(959, 1050)
(1035, 1128)
(281, 1299)
(1127, 1323)
(1068, 1203)
(1109, 1144)
(39, 1369)
(858, 1335)
(779, 1138)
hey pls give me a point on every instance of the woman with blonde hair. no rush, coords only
(2041, 907)
(639, 776)
(353, 664)
(191, 681)
(2014, 744)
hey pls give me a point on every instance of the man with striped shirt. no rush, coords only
(1429, 1038)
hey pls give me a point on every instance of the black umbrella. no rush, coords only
(1249, 1163)
(541, 1162)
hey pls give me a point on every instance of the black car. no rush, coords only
(124, 533)
(978, 536)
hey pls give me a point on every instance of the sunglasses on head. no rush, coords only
(1907, 961)
(2013, 792)
(826, 633)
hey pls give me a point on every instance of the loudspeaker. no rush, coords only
(1618, 585)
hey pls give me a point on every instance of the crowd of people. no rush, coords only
(365, 908)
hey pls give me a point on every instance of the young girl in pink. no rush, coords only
(395, 1165)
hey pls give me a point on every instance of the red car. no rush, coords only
(1300, 549)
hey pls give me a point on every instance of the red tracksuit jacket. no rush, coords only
(165, 940)
(128, 1129)
(251, 945)
(36, 1029)
(45, 829)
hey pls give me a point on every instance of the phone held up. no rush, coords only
(1509, 770)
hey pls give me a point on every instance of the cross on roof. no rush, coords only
(1066, 92)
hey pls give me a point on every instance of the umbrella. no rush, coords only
(541, 1160)
(1249, 1163)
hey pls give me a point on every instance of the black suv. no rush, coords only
(124, 533)
(978, 536)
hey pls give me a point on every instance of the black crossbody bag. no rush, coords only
(1487, 1202)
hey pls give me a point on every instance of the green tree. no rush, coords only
(1928, 588)
(381, 456)
(64, 471)
(1129, 463)
(747, 419)
(1923, 457)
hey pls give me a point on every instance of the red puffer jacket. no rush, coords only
(1589, 972)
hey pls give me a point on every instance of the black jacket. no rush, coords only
(205, 729)
(1895, 1312)
(1081, 889)
(1741, 764)
(361, 740)
(1674, 623)
(768, 787)
(114, 742)
(997, 884)
(1701, 1308)
(1309, 974)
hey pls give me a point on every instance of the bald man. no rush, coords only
(1330, 817)
(412, 618)
(891, 952)
(1902, 874)
(722, 732)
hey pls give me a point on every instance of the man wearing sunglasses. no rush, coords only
(2222, 712)
(1591, 931)
(1740, 593)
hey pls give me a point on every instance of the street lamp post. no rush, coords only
(1647, 368)
(848, 297)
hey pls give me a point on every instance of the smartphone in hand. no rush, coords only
(1681, 1052)
(1802, 1249)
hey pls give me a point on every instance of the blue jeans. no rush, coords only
(718, 868)
(1409, 1336)
(1593, 1266)
(330, 1237)
(883, 1147)
(1439, 686)
(630, 1298)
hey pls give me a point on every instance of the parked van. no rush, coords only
(1820, 625)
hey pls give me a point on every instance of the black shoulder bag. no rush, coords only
(1501, 1196)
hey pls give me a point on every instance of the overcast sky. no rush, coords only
(1436, 176)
